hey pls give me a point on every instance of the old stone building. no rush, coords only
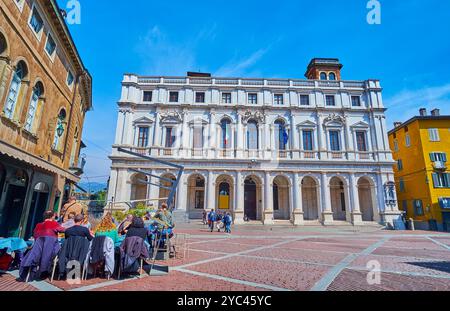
(267, 150)
(45, 92)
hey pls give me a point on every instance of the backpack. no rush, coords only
(212, 216)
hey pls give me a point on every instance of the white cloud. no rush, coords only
(407, 103)
(240, 67)
(163, 57)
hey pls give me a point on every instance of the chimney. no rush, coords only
(423, 112)
(436, 112)
(397, 124)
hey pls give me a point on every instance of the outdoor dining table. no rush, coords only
(13, 245)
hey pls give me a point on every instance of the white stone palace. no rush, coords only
(267, 150)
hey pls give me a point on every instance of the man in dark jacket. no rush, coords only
(76, 245)
(78, 229)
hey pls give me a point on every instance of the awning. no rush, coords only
(32, 160)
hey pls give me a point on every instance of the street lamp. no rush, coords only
(60, 129)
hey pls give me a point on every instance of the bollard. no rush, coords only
(411, 224)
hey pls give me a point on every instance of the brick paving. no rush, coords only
(279, 258)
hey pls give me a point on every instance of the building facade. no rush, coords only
(420, 148)
(45, 91)
(268, 150)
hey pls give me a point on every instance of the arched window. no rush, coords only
(225, 127)
(283, 138)
(3, 44)
(332, 76)
(59, 130)
(35, 108)
(323, 76)
(16, 84)
(252, 135)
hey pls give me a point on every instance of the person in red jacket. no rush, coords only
(49, 228)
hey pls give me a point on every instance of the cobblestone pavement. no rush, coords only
(284, 259)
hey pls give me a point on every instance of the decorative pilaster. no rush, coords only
(182, 194)
(239, 205)
(211, 198)
(298, 214)
(268, 200)
(157, 131)
(354, 195)
(240, 137)
(327, 213)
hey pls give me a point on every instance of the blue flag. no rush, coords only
(285, 137)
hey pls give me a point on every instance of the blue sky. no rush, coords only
(409, 52)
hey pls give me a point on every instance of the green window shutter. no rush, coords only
(444, 156)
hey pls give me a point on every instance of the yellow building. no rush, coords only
(421, 146)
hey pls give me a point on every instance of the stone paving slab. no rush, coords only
(293, 276)
(351, 280)
(431, 267)
(414, 253)
(309, 256)
(222, 246)
(336, 247)
(412, 243)
(178, 281)
(9, 283)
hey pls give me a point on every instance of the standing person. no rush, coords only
(212, 219)
(71, 207)
(219, 221)
(204, 217)
(227, 221)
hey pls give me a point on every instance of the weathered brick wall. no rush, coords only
(23, 44)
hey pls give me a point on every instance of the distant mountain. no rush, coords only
(92, 187)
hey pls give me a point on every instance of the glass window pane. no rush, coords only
(307, 140)
(252, 136)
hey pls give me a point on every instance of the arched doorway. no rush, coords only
(196, 194)
(309, 199)
(138, 189)
(281, 198)
(224, 193)
(39, 204)
(252, 194)
(338, 199)
(164, 192)
(14, 204)
(366, 199)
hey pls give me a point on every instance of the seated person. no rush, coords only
(125, 224)
(137, 228)
(78, 229)
(107, 228)
(49, 228)
(70, 222)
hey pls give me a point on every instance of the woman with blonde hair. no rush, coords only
(107, 228)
